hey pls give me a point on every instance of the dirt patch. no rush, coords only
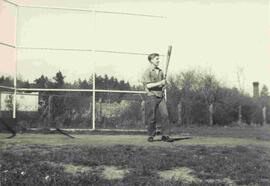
(183, 174)
(73, 169)
(226, 181)
(112, 173)
(107, 172)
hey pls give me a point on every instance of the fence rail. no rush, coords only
(79, 90)
(83, 50)
(84, 10)
(9, 2)
(7, 45)
(7, 87)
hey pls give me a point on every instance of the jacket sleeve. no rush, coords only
(146, 78)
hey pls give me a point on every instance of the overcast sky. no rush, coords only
(220, 35)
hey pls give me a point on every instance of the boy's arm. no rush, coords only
(156, 84)
(146, 80)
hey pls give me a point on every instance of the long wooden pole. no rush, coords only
(166, 68)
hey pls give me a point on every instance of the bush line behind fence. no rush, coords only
(194, 97)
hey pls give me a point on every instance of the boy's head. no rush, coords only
(154, 58)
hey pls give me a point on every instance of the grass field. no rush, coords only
(214, 156)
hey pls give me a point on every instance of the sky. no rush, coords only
(221, 36)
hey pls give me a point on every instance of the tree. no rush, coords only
(6, 81)
(209, 88)
(264, 96)
(22, 83)
(42, 82)
(185, 87)
(264, 91)
(59, 80)
(240, 74)
(106, 79)
(83, 84)
(188, 82)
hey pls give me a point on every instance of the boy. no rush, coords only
(154, 82)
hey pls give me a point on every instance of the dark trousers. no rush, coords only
(154, 104)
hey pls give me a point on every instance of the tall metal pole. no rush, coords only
(93, 74)
(15, 70)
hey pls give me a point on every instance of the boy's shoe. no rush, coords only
(158, 132)
(150, 139)
(167, 139)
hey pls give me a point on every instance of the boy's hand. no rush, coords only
(163, 82)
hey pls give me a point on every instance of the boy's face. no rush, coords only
(155, 61)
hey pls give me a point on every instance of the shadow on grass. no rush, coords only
(174, 139)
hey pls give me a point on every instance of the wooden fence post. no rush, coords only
(239, 114)
(50, 110)
(179, 112)
(99, 111)
(211, 110)
(264, 115)
(143, 112)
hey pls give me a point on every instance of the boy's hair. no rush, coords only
(152, 56)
